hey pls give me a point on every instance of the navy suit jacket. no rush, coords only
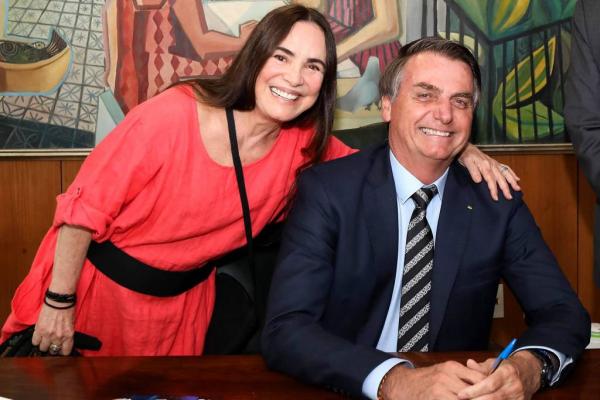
(333, 283)
(582, 103)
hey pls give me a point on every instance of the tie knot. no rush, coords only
(423, 196)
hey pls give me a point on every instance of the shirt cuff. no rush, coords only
(562, 358)
(372, 381)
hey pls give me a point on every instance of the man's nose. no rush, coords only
(443, 111)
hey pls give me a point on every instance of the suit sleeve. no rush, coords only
(582, 90)
(554, 314)
(294, 340)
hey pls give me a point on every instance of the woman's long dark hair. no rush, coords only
(236, 88)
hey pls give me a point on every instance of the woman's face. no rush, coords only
(290, 81)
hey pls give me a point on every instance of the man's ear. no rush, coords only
(386, 108)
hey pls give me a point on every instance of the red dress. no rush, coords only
(151, 188)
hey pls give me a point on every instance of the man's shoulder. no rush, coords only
(346, 173)
(479, 191)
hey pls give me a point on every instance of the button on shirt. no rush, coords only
(406, 184)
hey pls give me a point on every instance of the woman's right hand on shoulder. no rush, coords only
(55, 327)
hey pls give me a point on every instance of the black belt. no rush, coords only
(142, 278)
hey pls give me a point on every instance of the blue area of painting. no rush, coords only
(22, 134)
(5, 132)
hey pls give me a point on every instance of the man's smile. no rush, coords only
(435, 132)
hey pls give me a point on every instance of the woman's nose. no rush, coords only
(294, 75)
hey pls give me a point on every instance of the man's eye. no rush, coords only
(423, 96)
(462, 103)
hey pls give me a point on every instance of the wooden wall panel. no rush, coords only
(549, 184)
(587, 290)
(27, 201)
(69, 171)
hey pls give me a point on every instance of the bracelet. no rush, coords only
(61, 298)
(58, 307)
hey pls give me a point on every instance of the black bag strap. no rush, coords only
(239, 174)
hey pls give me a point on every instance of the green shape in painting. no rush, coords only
(497, 18)
(525, 95)
(505, 14)
(524, 76)
(548, 11)
(527, 117)
(476, 10)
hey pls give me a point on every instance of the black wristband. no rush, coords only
(71, 305)
(61, 298)
(550, 366)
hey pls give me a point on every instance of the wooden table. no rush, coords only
(213, 377)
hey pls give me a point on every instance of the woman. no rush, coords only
(161, 188)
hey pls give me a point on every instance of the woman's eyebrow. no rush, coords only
(291, 53)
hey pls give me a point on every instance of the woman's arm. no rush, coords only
(495, 174)
(57, 326)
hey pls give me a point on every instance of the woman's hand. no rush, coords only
(55, 328)
(494, 173)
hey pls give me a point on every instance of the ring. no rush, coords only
(54, 349)
(503, 168)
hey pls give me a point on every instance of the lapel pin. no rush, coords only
(469, 207)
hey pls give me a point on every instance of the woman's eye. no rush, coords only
(279, 57)
(314, 67)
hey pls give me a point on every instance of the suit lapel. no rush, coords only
(381, 213)
(451, 238)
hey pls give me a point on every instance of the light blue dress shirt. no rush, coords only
(406, 184)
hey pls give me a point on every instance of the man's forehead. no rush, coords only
(430, 61)
(436, 70)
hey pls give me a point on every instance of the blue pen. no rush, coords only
(503, 355)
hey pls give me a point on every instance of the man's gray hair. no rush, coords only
(392, 77)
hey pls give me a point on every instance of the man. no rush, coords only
(582, 102)
(395, 248)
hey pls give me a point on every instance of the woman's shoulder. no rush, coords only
(172, 101)
(335, 148)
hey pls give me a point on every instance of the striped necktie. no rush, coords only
(413, 328)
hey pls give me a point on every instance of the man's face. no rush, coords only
(430, 119)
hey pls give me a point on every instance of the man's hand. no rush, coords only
(440, 381)
(518, 377)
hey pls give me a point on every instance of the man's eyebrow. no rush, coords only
(428, 86)
(433, 88)
(468, 95)
(291, 54)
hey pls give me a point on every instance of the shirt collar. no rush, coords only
(406, 183)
